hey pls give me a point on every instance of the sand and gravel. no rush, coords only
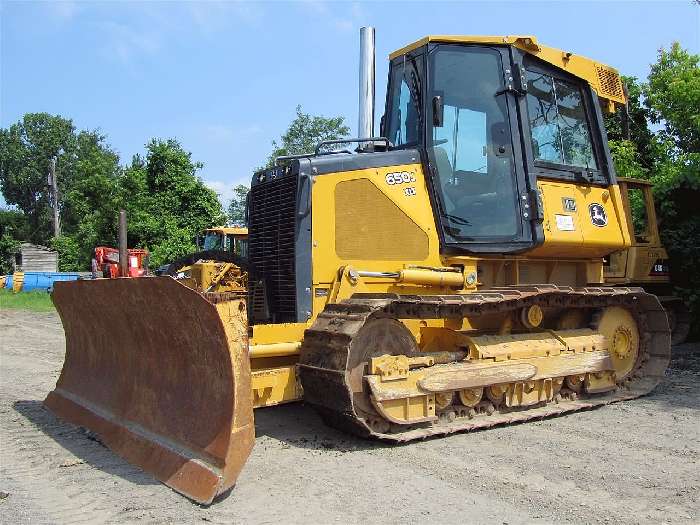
(633, 462)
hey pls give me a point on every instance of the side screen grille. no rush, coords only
(271, 228)
(358, 234)
(610, 84)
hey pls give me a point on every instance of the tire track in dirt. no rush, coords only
(36, 450)
(36, 463)
(635, 462)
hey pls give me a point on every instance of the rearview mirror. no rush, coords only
(438, 111)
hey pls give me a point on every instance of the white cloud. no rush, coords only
(224, 189)
(123, 42)
(229, 134)
(319, 7)
(222, 178)
(132, 29)
(213, 16)
(218, 133)
(343, 15)
(62, 10)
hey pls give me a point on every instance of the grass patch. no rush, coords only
(35, 301)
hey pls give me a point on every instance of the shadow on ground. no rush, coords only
(297, 425)
(81, 443)
(679, 388)
(300, 426)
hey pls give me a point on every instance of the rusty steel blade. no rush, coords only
(161, 375)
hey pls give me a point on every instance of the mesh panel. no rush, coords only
(610, 83)
(369, 226)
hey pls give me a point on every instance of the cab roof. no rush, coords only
(228, 230)
(604, 79)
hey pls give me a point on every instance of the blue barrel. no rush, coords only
(8, 281)
(44, 280)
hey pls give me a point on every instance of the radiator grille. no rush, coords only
(271, 228)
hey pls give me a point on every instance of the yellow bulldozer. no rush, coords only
(220, 265)
(445, 276)
(645, 262)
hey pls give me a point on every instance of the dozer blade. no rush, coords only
(161, 374)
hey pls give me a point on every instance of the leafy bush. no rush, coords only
(677, 201)
(69, 256)
(13, 227)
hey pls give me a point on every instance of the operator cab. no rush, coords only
(490, 119)
(232, 240)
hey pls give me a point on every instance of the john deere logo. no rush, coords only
(568, 203)
(598, 216)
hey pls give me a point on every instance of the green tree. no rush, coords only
(13, 227)
(672, 100)
(677, 198)
(670, 157)
(26, 149)
(87, 170)
(236, 208)
(672, 95)
(304, 134)
(166, 202)
(636, 131)
(627, 159)
(88, 203)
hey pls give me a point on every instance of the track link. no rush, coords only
(325, 353)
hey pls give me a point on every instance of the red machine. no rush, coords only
(106, 262)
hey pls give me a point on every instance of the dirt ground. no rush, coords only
(634, 462)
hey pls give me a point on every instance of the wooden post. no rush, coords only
(123, 253)
(53, 184)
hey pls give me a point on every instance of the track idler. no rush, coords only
(161, 374)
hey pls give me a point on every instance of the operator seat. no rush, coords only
(450, 191)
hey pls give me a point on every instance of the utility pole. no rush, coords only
(53, 190)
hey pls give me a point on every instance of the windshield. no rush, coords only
(472, 147)
(213, 241)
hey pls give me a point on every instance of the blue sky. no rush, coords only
(225, 77)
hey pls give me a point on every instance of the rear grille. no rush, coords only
(271, 228)
(610, 84)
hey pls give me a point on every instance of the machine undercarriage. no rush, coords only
(595, 346)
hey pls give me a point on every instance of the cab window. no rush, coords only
(404, 123)
(470, 152)
(213, 241)
(638, 208)
(558, 123)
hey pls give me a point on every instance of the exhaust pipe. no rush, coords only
(365, 127)
(123, 250)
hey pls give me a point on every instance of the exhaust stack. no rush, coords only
(365, 127)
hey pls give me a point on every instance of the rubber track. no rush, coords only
(326, 348)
